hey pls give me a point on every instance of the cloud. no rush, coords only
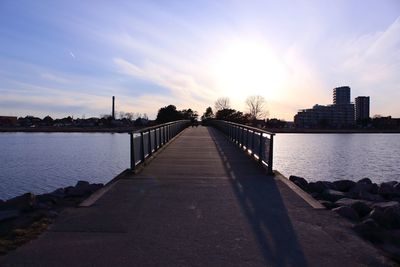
(183, 87)
(52, 77)
(372, 63)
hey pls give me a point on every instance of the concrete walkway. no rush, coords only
(200, 202)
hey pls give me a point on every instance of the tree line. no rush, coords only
(256, 110)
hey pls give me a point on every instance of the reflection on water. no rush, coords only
(338, 156)
(42, 162)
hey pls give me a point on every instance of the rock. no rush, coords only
(374, 189)
(300, 182)
(365, 191)
(364, 181)
(346, 202)
(317, 187)
(82, 188)
(344, 185)
(362, 207)
(378, 216)
(367, 225)
(387, 190)
(397, 187)
(387, 214)
(8, 214)
(58, 193)
(327, 204)
(370, 197)
(347, 213)
(48, 199)
(332, 195)
(391, 183)
(23, 202)
(368, 229)
(82, 184)
(385, 205)
(392, 217)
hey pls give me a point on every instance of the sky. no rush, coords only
(68, 58)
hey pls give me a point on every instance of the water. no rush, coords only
(42, 162)
(338, 156)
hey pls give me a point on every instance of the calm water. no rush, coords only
(339, 156)
(42, 162)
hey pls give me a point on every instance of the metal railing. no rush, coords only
(258, 143)
(147, 141)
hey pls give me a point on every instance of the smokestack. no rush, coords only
(113, 108)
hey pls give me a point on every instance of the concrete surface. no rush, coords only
(201, 202)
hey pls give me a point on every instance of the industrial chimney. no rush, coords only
(113, 108)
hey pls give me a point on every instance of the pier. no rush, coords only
(197, 197)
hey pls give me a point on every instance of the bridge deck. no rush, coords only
(200, 202)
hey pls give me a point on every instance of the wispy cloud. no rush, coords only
(183, 87)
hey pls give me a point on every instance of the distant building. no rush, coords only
(338, 115)
(341, 95)
(8, 121)
(362, 107)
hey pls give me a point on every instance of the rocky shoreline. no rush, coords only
(373, 209)
(24, 217)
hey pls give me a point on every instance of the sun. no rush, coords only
(248, 68)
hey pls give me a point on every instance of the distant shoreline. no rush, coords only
(69, 129)
(131, 129)
(332, 131)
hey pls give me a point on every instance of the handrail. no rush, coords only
(257, 142)
(158, 126)
(144, 142)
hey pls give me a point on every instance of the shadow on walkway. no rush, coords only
(261, 201)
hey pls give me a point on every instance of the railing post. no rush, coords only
(252, 142)
(132, 152)
(159, 137)
(155, 140)
(260, 148)
(270, 154)
(142, 147)
(241, 136)
(149, 144)
(247, 139)
(164, 134)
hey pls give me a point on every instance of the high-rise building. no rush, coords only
(341, 95)
(338, 115)
(362, 107)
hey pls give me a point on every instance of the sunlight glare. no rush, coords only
(248, 68)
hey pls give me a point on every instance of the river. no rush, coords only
(42, 162)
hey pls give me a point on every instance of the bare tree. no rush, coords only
(256, 106)
(222, 103)
(129, 115)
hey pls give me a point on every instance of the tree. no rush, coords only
(231, 115)
(129, 115)
(189, 114)
(208, 114)
(256, 106)
(167, 114)
(222, 103)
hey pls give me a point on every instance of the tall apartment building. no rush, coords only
(341, 95)
(338, 115)
(362, 107)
